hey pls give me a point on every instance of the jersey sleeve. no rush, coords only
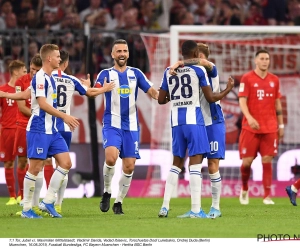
(78, 85)
(278, 93)
(213, 73)
(19, 86)
(244, 87)
(39, 85)
(164, 81)
(100, 78)
(142, 81)
(202, 75)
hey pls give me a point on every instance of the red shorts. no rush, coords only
(7, 140)
(20, 147)
(250, 144)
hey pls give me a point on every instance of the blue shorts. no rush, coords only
(43, 146)
(216, 137)
(189, 137)
(126, 141)
(67, 136)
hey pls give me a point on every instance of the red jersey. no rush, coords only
(261, 95)
(9, 108)
(22, 84)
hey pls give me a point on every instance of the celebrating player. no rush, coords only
(262, 125)
(120, 122)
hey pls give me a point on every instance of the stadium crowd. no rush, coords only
(44, 20)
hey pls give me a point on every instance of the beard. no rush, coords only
(121, 63)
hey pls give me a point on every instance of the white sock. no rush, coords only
(195, 186)
(294, 189)
(170, 184)
(29, 186)
(61, 191)
(38, 187)
(216, 185)
(124, 185)
(55, 183)
(108, 173)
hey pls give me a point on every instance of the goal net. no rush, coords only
(232, 50)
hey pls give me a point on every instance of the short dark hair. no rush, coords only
(37, 60)
(188, 48)
(64, 56)
(119, 41)
(262, 51)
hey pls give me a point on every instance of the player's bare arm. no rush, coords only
(211, 96)
(192, 61)
(163, 96)
(153, 93)
(250, 119)
(23, 95)
(23, 108)
(71, 121)
(107, 86)
(278, 108)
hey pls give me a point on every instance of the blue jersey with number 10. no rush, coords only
(184, 90)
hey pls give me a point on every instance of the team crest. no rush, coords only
(272, 84)
(20, 149)
(39, 150)
(2, 154)
(244, 151)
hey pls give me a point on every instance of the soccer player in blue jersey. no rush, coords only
(43, 139)
(120, 122)
(188, 125)
(66, 86)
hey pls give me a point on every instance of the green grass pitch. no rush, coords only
(82, 218)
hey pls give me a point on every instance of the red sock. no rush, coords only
(48, 171)
(267, 178)
(297, 184)
(245, 172)
(10, 181)
(21, 174)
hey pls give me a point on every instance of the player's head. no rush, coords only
(120, 52)
(262, 60)
(35, 65)
(17, 68)
(64, 56)
(189, 49)
(50, 55)
(203, 50)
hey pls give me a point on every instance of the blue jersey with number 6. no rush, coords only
(184, 90)
(66, 86)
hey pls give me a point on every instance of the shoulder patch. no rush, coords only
(242, 87)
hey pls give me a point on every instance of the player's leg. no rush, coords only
(7, 156)
(129, 153)
(48, 171)
(112, 140)
(216, 138)
(61, 191)
(292, 191)
(59, 150)
(179, 147)
(268, 149)
(197, 144)
(20, 150)
(248, 148)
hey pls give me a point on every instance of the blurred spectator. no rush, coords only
(6, 8)
(117, 21)
(32, 20)
(130, 20)
(17, 49)
(163, 8)
(48, 21)
(187, 18)
(293, 17)
(129, 4)
(148, 18)
(11, 21)
(202, 10)
(93, 9)
(227, 15)
(255, 16)
(2, 23)
(71, 21)
(177, 10)
(33, 49)
(98, 19)
(274, 11)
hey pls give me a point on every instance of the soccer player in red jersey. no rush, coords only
(8, 128)
(262, 125)
(23, 115)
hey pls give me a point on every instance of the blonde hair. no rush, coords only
(203, 48)
(46, 49)
(15, 65)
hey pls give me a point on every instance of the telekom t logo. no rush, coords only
(260, 94)
(10, 102)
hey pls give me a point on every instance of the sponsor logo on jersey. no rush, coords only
(260, 94)
(40, 86)
(242, 87)
(18, 89)
(255, 85)
(124, 91)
